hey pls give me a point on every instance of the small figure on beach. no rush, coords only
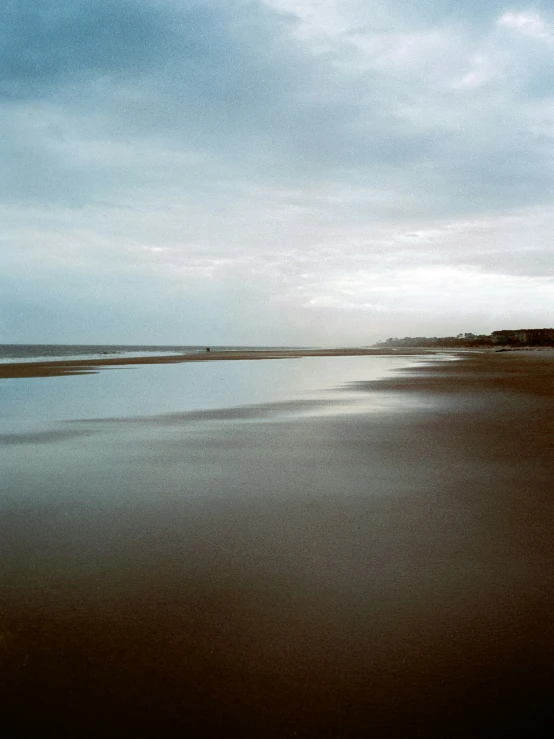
(207, 348)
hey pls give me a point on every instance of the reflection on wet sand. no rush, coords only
(320, 576)
(59, 368)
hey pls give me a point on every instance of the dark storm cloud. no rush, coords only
(223, 78)
(54, 42)
(231, 81)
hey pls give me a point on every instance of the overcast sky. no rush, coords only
(274, 172)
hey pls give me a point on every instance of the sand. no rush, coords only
(349, 576)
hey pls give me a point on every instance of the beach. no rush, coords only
(86, 366)
(373, 560)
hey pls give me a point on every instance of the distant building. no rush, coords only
(524, 336)
(519, 337)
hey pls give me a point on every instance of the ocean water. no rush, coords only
(53, 352)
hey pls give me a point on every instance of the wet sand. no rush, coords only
(342, 576)
(87, 366)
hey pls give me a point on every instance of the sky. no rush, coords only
(274, 172)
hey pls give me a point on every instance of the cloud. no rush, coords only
(286, 152)
(52, 43)
(233, 90)
(529, 23)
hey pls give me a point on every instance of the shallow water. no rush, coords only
(96, 435)
(173, 388)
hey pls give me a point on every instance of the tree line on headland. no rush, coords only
(509, 338)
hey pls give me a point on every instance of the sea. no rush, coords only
(53, 352)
